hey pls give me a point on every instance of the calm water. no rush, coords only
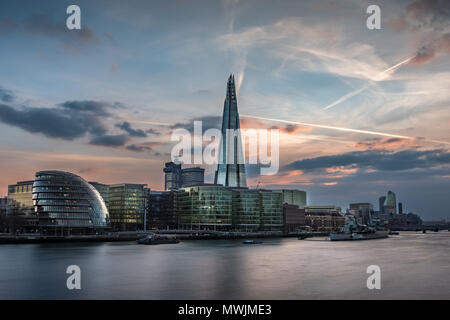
(413, 265)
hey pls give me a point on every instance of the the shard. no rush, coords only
(230, 168)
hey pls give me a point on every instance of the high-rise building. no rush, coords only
(172, 176)
(400, 208)
(294, 197)
(20, 207)
(127, 203)
(391, 203)
(67, 204)
(192, 177)
(230, 168)
(381, 202)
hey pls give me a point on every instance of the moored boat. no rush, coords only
(157, 239)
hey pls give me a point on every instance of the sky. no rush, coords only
(360, 111)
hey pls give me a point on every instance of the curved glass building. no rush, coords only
(66, 203)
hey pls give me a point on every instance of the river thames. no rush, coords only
(413, 266)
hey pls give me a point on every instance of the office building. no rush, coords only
(215, 207)
(207, 207)
(381, 202)
(391, 203)
(246, 206)
(294, 197)
(127, 206)
(22, 216)
(172, 176)
(400, 208)
(293, 218)
(230, 169)
(161, 211)
(67, 204)
(324, 217)
(362, 212)
(192, 177)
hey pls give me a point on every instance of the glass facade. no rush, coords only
(246, 210)
(65, 202)
(127, 206)
(204, 208)
(161, 214)
(271, 210)
(230, 172)
(21, 208)
(222, 208)
(103, 189)
(294, 197)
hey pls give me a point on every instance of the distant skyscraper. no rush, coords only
(391, 203)
(400, 208)
(381, 202)
(230, 170)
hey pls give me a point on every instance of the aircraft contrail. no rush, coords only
(378, 77)
(369, 132)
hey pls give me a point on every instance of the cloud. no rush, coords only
(138, 148)
(153, 131)
(389, 143)
(64, 123)
(6, 95)
(375, 159)
(310, 47)
(145, 146)
(43, 24)
(208, 122)
(429, 22)
(93, 107)
(110, 140)
(125, 126)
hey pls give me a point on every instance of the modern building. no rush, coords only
(215, 207)
(4, 222)
(207, 207)
(294, 197)
(161, 211)
(293, 218)
(127, 204)
(230, 168)
(362, 212)
(246, 206)
(192, 177)
(400, 208)
(67, 204)
(324, 217)
(103, 189)
(21, 213)
(172, 176)
(271, 210)
(381, 202)
(391, 203)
